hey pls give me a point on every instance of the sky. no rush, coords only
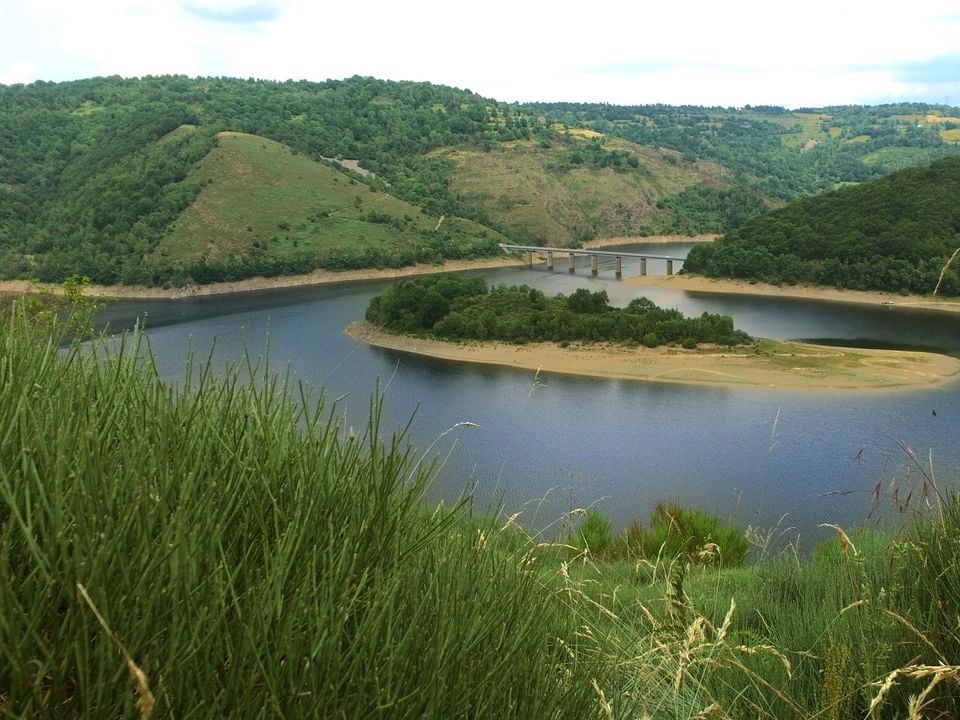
(700, 52)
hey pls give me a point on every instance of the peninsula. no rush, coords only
(453, 318)
(766, 364)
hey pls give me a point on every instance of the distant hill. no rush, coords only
(571, 189)
(111, 177)
(897, 233)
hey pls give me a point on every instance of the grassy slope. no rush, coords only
(264, 198)
(537, 191)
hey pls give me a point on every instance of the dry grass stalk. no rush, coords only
(943, 270)
(145, 699)
(845, 543)
(602, 698)
(711, 710)
(935, 673)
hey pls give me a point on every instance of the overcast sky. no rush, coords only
(730, 53)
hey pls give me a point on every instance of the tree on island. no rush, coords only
(451, 307)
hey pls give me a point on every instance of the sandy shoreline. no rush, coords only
(688, 283)
(700, 284)
(785, 366)
(318, 277)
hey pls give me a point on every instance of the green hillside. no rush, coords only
(572, 188)
(96, 175)
(897, 233)
(264, 210)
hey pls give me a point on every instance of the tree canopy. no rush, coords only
(896, 234)
(456, 308)
(94, 173)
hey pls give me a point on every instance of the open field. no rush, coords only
(767, 364)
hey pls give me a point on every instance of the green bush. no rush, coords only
(698, 535)
(594, 534)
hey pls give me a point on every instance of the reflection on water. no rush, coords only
(550, 443)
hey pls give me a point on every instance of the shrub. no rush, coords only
(699, 535)
(594, 534)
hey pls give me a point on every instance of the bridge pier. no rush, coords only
(551, 256)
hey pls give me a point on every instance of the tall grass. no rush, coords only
(231, 550)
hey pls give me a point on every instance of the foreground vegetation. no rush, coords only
(449, 306)
(227, 548)
(899, 233)
(221, 550)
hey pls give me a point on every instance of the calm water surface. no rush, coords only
(548, 444)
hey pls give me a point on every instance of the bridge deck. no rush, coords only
(581, 251)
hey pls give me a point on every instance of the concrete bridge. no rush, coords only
(530, 250)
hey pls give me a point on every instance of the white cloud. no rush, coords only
(230, 12)
(22, 71)
(733, 53)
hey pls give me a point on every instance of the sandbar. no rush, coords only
(768, 364)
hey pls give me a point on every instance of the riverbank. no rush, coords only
(701, 284)
(318, 277)
(770, 364)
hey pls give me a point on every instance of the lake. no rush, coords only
(549, 444)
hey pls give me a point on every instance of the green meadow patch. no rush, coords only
(263, 205)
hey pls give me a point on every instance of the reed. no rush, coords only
(227, 547)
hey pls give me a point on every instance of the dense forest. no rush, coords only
(95, 174)
(897, 234)
(456, 308)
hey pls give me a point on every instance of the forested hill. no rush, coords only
(100, 176)
(897, 233)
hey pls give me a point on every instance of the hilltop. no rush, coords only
(137, 180)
